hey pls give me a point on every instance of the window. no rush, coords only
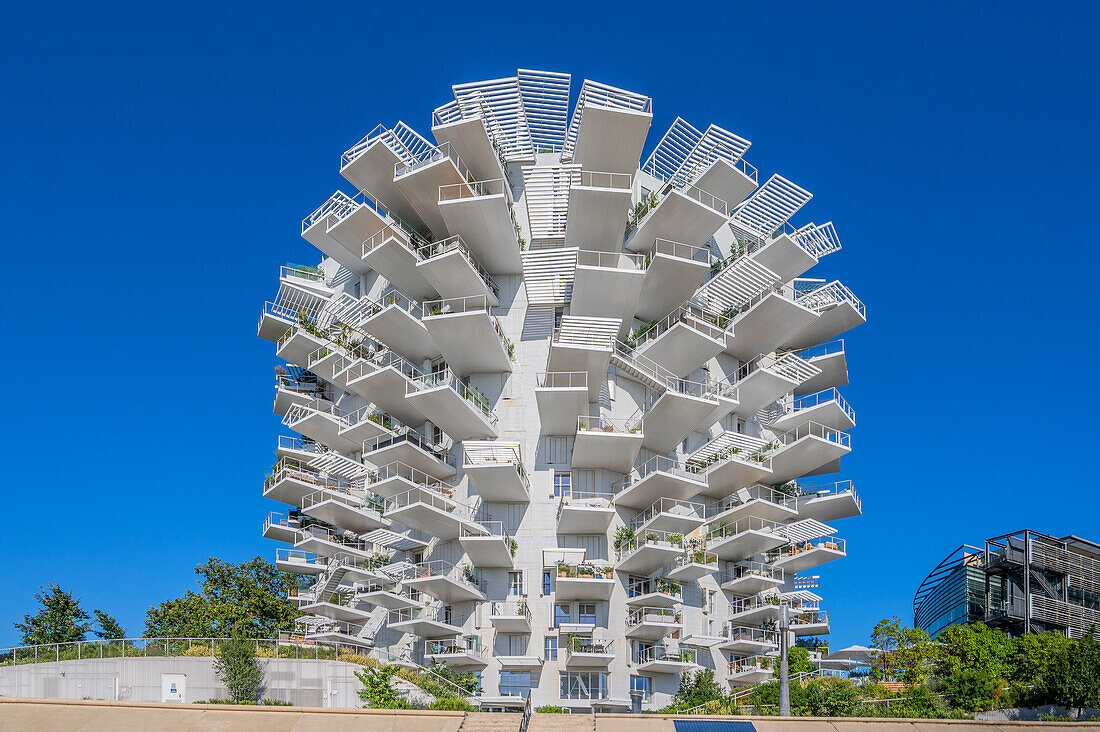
(561, 613)
(563, 485)
(546, 575)
(514, 644)
(573, 685)
(636, 586)
(558, 313)
(515, 584)
(643, 684)
(447, 615)
(514, 683)
(641, 650)
(586, 613)
(550, 648)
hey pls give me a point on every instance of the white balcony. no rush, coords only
(392, 252)
(692, 565)
(395, 478)
(815, 622)
(396, 321)
(673, 272)
(765, 322)
(803, 555)
(657, 478)
(460, 410)
(832, 361)
(433, 513)
(481, 213)
(674, 414)
(838, 311)
(745, 641)
(277, 318)
(561, 398)
(750, 671)
(308, 279)
(512, 616)
(653, 623)
(445, 582)
(519, 663)
(611, 444)
(427, 622)
(494, 550)
(730, 462)
(470, 137)
(765, 379)
(607, 284)
(756, 501)
(348, 613)
(495, 468)
(369, 164)
(661, 660)
(337, 632)
(321, 421)
(455, 653)
(683, 340)
(792, 252)
(647, 552)
(755, 611)
(279, 527)
(324, 360)
(827, 408)
(730, 181)
(295, 561)
(419, 180)
(738, 540)
(368, 423)
(671, 515)
(382, 379)
(298, 342)
(808, 450)
(384, 595)
(325, 543)
(829, 502)
(348, 511)
(746, 580)
(598, 206)
(340, 224)
(469, 335)
(585, 512)
(584, 344)
(454, 271)
(657, 592)
(291, 480)
(579, 652)
(583, 581)
(292, 389)
(300, 449)
(413, 450)
(687, 214)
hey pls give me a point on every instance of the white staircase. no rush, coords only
(546, 193)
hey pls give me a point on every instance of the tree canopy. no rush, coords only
(60, 619)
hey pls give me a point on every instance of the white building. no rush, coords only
(556, 412)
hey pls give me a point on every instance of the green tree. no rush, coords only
(1073, 677)
(972, 647)
(465, 680)
(237, 667)
(970, 689)
(827, 698)
(698, 688)
(908, 653)
(1029, 656)
(59, 620)
(798, 661)
(249, 598)
(109, 627)
(378, 691)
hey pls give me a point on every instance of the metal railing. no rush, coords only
(562, 379)
(589, 646)
(304, 272)
(298, 556)
(655, 586)
(614, 425)
(657, 464)
(291, 469)
(373, 414)
(431, 250)
(585, 499)
(431, 613)
(650, 537)
(811, 617)
(454, 646)
(734, 452)
(732, 632)
(411, 437)
(275, 518)
(752, 569)
(584, 570)
(660, 652)
(449, 379)
(464, 574)
(747, 664)
(610, 260)
(693, 317)
(679, 250)
(827, 348)
(661, 615)
(510, 609)
(405, 235)
(393, 298)
(832, 543)
(812, 429)
(600, 179)
(837, 488)
(433, 155)
(473, 189)
(696, 193)
(747, 604)
(369, 502)
(693, 556)
(429, 497)
(755, 492)
(406, 472)
(820, 397)
(332, 537)
(726, 530)
(687, 509)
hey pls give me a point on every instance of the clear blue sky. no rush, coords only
(157, 163)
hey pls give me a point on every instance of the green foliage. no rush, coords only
(1073, 677)
(623, 536)
(452, 705)
(828, 697)
(798, 661)
(974, 647)
(109, 627)
(248, 598)
(377, 691)
(1030, 656)
(468, 682)
(698, 688)
(908, 653)
(262, 702)
(549, 709)
(237, 667)
(59, 620)
(970, 689)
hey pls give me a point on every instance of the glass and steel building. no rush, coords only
(558, 414)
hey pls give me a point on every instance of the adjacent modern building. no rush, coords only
(558, 415)
(1024, 582)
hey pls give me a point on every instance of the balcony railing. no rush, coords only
(277, 519)
(696, 193)
(430, 498)
(394, 298)
(678, 250)
(562, 379)
(584, 570)
(469, 304)
(813, 429)
(298, 556)
(746, 604)
(369, 502)
(656, 585)
(754, 492)
(300, 444)
(304, 272)
(431, 250)
(599, 179)
(630, 425)
(332, 537)
(433, 155)
(824, 296)
(827, 348)
(431, 613)
(732, 632)
(405, 234)
(370, 413)
(811, 617)
(724, 530)
(734, 452)
(696, 318)
(473, 189)
(744, 664)
(833, 543)
(289, 468)
(823, 490)
(663, 653)
(585, 499)
(464, 574)
(663, 615)
(663, 539)
(819, 397)
(411, 474)
(752, 569)
(472, 394)
(693, 556)
(454, 647)
(658, 464)
(511, 609)
(484, 454)
(411, 437)
(686, 509)
(595, 646)
(610, 260)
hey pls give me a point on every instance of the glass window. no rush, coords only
(563, 485)
(561, 613)
(643, 684)
(586, 613)
(572, 685)
(515, 584)
(546, 575)
(514, 683)
(550, 648)
(636, 586)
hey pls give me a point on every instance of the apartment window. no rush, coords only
(550, 648)
(563, 485)
(558, 314)
(514, 645)
(447, 615)
(636, 586)
(643, 684)
(586, 613)
(515, 584)
(561, 613)
(546, 579)
(515, 683)
(573, 685)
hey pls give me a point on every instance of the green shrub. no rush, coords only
(549, 709)
(452, 705)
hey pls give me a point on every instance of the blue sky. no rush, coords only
(158, 162)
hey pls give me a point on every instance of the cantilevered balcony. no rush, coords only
(828, 501)
(308, 279)
(321, 421)
(394, 478)
(653, 623)
(765, 322)
(827, 408)
(673, 272)
(598, 206)
(492, 550)
(277, 318)
(339, 606)
(338, 632)
(750, 578)
(585, 512)
(561, 398)
(397, 321)
(764, 379)
(607, 283)
(577, 652)
(750, 670)
(434, 621)
(646, 553)
(368, 423)
(347, 510)
(656, 479)
(280, 527)
(683, 340)
(296, 386)
(734, 541)
(339, 225)
(481, 213)
(495, 468)
(808, 450)
(741, 640)
(394, 252)
(692, 565)
(387, 594)
(460, 410)
(662, 659)
(469, 335)
(454, 271)
(608, 443)
(802, 555)
(791, 252)
(584, 581)
(420, 180)
(433, 513)
(653, 592)
(837, 308)
(466, 653)
(669, 514)
(382, 379)
(291, 480)
(584, 344)
(813, 622)
(296, 561)
(301, 449)
(409, 449)
(682, 407)
(299, 342)
(469, 135)
(511, 616)
(608, 128)
(328, 543)
(832, 360)
(369, 164)
(445, 582)
(755, 611)
(688, 214)
(730, 462)
(324, 360)
(757, 501)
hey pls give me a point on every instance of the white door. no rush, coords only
(173, 688)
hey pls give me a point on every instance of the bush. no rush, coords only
(199, 651)
(970, 689)
(236, 666)
(378, 692)
(452, 705)
(549, 709)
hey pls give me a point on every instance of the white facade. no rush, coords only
(553, 411)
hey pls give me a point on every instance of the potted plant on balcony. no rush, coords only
(652, 537)
(469, 574)
(676, 539)
(623, 536)
(585, 571)
(513, 545)
(563, 569)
